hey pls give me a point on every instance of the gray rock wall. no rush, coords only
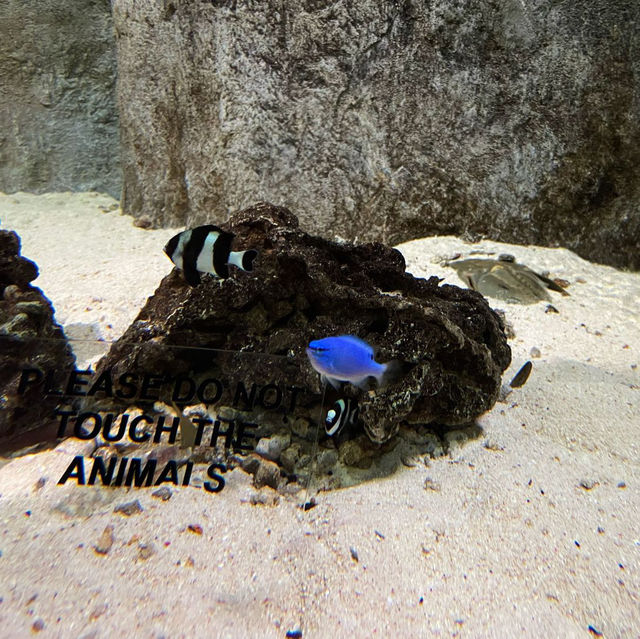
(58, 115)
(389, 120)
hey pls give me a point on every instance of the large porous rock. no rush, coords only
(30, 340)
(388, 120)
(58, 114)
(254, 327)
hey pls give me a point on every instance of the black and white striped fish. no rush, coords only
(206, 249)
(344, 413)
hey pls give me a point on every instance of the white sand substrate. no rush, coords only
(530, 528)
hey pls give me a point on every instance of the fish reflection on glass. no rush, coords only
(344, 413)
(345, 358)
(207, 249)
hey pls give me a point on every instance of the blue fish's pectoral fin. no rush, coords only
(191, 275)
(364, 384)
(336, 383)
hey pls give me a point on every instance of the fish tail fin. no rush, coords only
(243, 259)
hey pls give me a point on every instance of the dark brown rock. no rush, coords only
(129, 508)
(450, 344)
(388, 119)
(163, 493)
(105, 542)
(29, 339)
(267, 474)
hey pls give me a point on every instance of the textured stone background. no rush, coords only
(58, 116)
(516, 119)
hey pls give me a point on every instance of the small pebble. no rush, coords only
(621, 485)
(587, 484)
(430, 484)
(105, 542)
(354, 553)
(130, 508)
(354, 453)
(535, 352)
(289, 457)
(267, 474)
(142, 223)
(551, 309)
(145, 551)
(326, 460)
(195, 528)
(40, 483)
(491, 444)
(264, 497)
(300, 427)
(37, 625)
(410, 460)
(294, 634)
(163, 493)
(308, 505)
(271, 447)
(98, 611)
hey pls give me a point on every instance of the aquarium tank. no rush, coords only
(319, 318)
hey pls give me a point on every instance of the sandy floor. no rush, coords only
(530, 528)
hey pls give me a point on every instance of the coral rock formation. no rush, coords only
(450, 344)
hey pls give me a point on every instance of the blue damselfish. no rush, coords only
(345, 358)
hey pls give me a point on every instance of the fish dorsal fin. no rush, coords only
(205, 229)
(359, 342)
